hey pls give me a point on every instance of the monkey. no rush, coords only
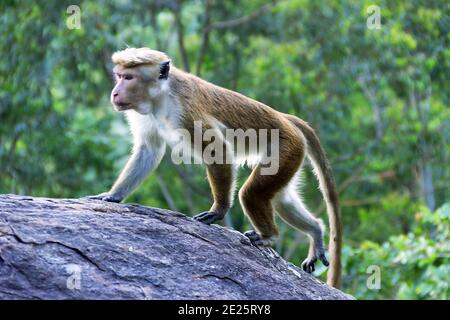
(158, 98)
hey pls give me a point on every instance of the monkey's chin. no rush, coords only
(143, 108)
(122, 108)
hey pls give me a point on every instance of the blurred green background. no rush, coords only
(378, 98)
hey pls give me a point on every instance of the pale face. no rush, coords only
(136, 88)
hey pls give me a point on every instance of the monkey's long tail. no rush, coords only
(327, 185)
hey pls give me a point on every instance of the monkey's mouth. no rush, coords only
(121, 106)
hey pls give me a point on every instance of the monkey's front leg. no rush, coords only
(221, 180)
(144, 159)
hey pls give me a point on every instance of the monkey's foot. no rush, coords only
(257, 240)
(308, 263)
(208, 217)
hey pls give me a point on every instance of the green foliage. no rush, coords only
(378, 99)
(414, 265)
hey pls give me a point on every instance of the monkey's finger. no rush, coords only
(208, 220)
(206, 217)
(201, 215)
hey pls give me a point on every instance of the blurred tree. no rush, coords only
(378, 99)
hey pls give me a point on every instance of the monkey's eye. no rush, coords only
(128, 77)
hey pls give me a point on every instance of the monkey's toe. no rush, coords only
(207, 217)
(257, 240)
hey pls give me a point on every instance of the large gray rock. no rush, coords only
(87, 249)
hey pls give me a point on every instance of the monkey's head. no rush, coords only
(141, 77)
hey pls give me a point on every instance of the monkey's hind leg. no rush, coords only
(291, 209)
(221, 180)
(257, 193)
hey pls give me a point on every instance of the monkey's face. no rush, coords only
(135, 88)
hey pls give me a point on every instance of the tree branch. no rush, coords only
(205, 37)
(244, 19)
(208, 26)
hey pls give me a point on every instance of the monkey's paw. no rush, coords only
(308, 264)
(256, 239)
(208, 217)
(106, 197)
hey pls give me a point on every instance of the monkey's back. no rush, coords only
(202, 100)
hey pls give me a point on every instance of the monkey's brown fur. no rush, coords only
(203, 101)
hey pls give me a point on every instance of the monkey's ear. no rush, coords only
(164, 68)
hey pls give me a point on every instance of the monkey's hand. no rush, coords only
(106, 196)
(208, 217)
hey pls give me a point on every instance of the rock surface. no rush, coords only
(88, 249)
